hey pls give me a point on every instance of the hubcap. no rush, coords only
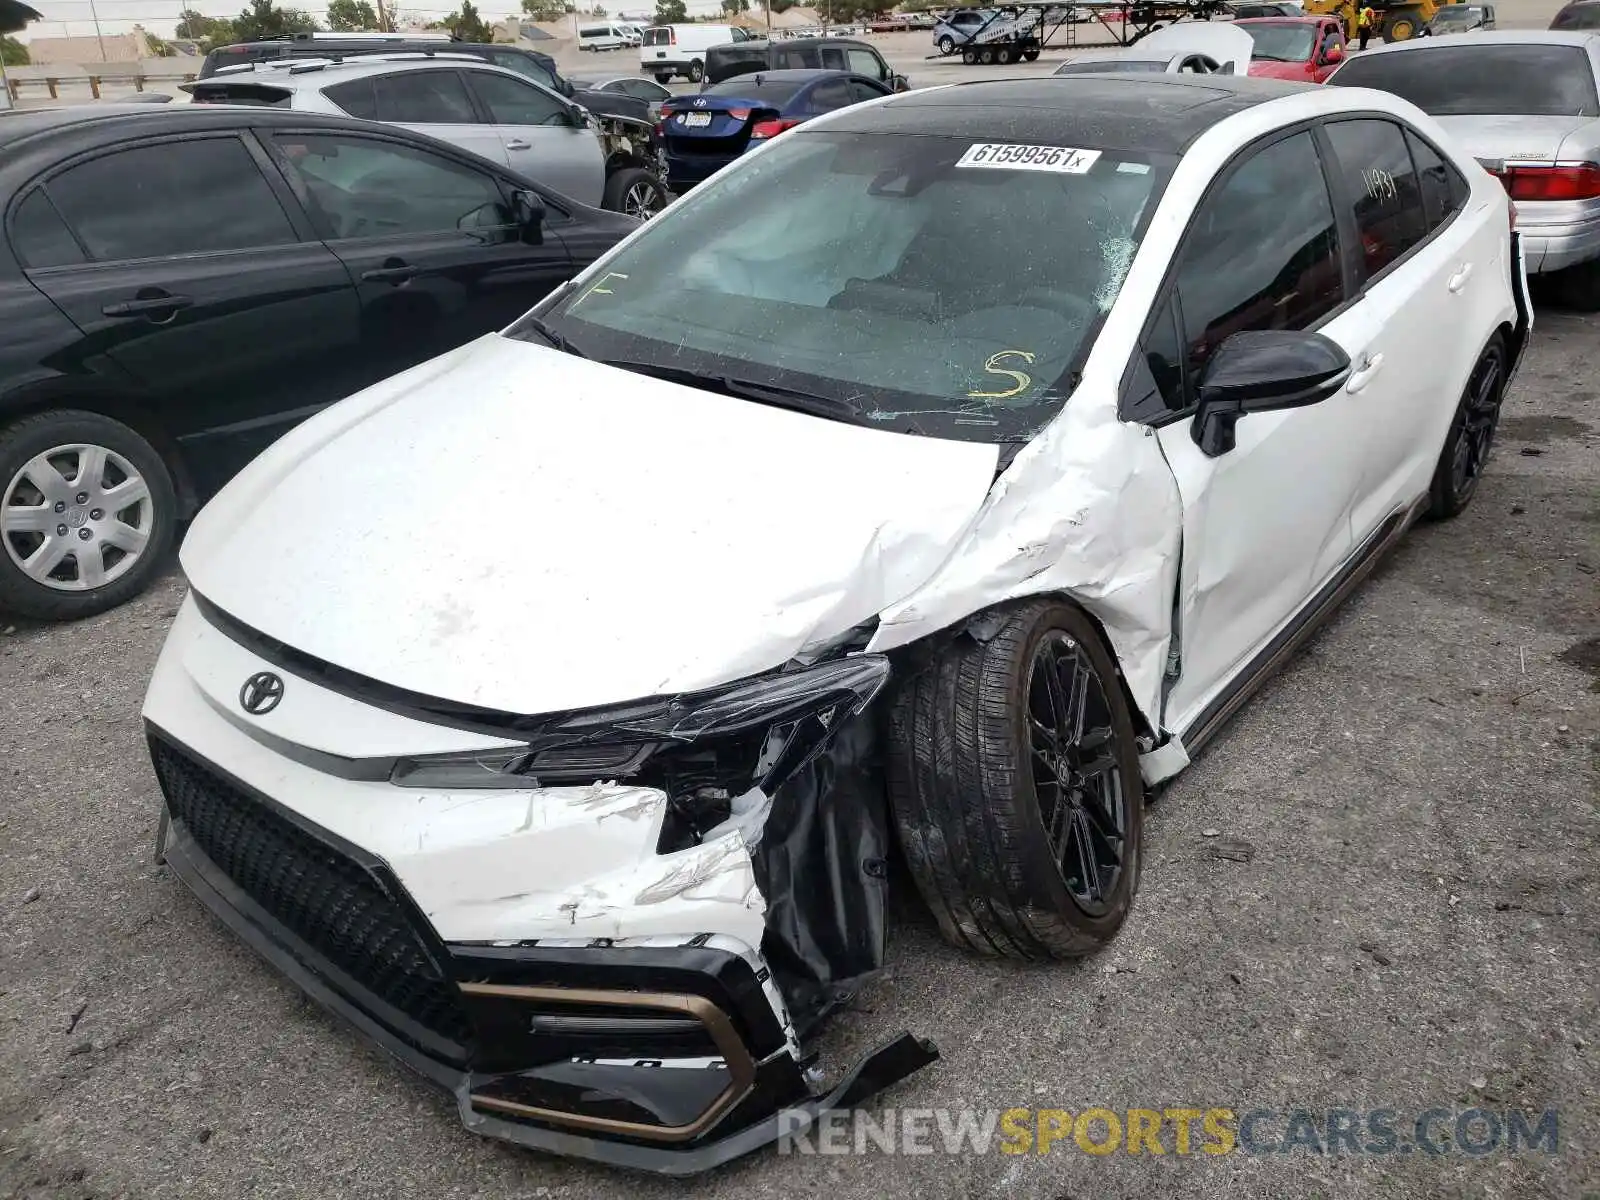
(76, 518)
(1475, 423)
(1072, 751)
(643, 200)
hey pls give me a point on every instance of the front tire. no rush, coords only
(635, 192)
(947, 45)
(1471, 436)
(88, 514)
(1018, 800)
(663, 80)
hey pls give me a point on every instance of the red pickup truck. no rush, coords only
(1301, 48)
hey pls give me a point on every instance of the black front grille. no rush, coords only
(319, 893)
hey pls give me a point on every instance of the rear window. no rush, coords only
(1577, 16)
(1482, 80)
(253, 94)
(767, 91)
(657, 37)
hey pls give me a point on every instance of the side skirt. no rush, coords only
(1292, 636)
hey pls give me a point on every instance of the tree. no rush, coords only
(778, 6)
(13, 53)
(196, 27)
(732, 8)
(466, 25)
(263, 20)
(543, 10)
(159, 47)
(351, 16)
(671, 12)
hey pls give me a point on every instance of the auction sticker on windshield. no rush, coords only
(1062, 159)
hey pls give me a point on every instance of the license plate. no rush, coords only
(661, 53)
(696, 120)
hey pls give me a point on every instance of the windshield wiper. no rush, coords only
(538, 325)
(762, 393)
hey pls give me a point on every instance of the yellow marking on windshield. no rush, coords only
(600, 288)
(1024, 380)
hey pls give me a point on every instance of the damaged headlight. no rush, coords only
(704, 748)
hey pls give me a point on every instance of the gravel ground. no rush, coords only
(1410, 921)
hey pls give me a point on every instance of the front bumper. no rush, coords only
(533, 1040)
(603, 1034)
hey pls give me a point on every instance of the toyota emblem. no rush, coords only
(261, 693)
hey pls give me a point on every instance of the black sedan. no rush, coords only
(181, 284)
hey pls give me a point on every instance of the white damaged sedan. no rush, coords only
(944, 472)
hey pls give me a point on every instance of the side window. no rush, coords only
(1382, 183)
(40, 237)
(356, 98)
(423, 98)
(1262, 251)
(512, 102)
(860, 91)
(833, 59)
(1164, 357)
(1444, 191)
(190, 197)
(865, 62)
(825, 97)
(361, 187)
(526, 67)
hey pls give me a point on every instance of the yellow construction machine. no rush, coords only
(1396, 22)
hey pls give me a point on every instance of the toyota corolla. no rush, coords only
(940, 476)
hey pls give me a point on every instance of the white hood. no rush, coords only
(513, 527)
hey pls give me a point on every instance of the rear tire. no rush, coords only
(986, 56)
(947, 45)
(663, 80)
(969, 56)
(1031, 55)
(635, 192)
(988, 811)
(130, 489)
(1471, 436)
(1401, 27)
(697, 71)
(1003, 56)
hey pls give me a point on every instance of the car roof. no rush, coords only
(1156, 112)
(1495, 37)
(135, 120)
(1306, 20)
(294, 74)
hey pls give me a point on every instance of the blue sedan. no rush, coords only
(707, 131)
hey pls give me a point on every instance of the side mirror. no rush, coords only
(1333, 54)
(1260, 371)
(900, 83)
(527, 209)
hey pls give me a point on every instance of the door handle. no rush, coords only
(1370, 366)
(518, 144)
(1459, 279)
(392, 271)
(147, 305)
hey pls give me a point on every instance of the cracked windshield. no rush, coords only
(928, 284)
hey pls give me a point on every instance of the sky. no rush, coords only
(75, 18)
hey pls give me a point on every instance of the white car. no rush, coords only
(1184, 47)
(565, 764)
(491, 111)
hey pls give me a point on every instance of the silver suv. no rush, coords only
(459, 99)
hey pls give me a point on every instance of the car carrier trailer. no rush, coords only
(1021, 32)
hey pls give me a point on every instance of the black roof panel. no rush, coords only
(1158, 113)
